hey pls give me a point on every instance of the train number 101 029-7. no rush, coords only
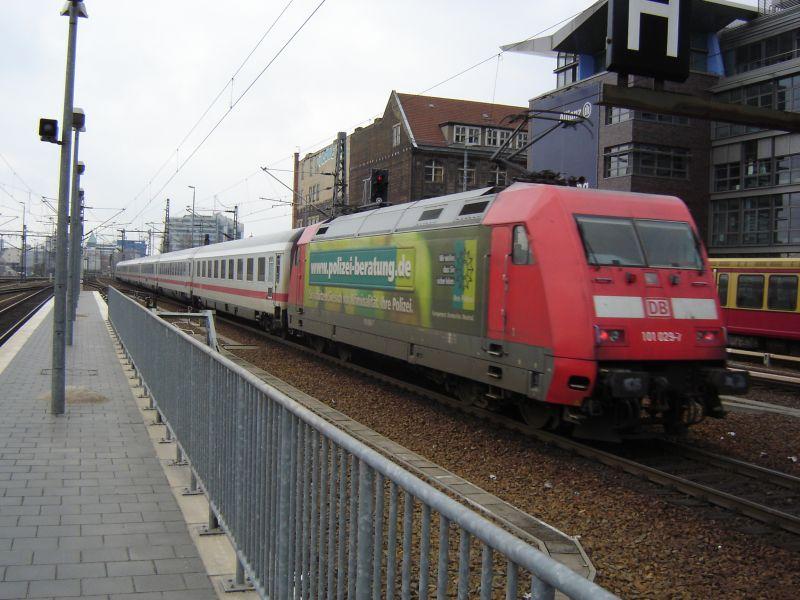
(661, 336)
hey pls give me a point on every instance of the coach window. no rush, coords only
(750, 291)
(722, 289)
(204, 269)
(271, 272)
(222, 270)
(520, 247)
(262, 268)
(250, 262)
(782, 292)
(210, 266)
(230, 268)
(216, 269)
(277, 269)
(239, 268)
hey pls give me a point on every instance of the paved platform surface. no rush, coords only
(86, 510)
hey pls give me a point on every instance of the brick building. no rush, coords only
(423, 142)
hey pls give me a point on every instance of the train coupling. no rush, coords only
(726, 381)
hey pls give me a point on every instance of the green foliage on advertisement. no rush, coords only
(428, 278)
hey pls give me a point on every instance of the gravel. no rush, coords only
(644, 542)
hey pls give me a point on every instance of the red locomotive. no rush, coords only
(588, 309)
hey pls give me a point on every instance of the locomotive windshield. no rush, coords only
(639, 243)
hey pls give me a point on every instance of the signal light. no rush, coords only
(379, 186)
(48, 130)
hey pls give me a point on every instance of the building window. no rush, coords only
(522, 139)
(727, 177)
(470, 174)
(757, 163)
(787, 169)
(434, 171)
(504, 135)
(648, 160)
(756, 221)
(615, 114)
(659, 118)
(396, 135)
(497, 176)
(463, 134)
(765, 52)
(566, 69)
(491, 137)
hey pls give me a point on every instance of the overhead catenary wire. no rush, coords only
(230, 109)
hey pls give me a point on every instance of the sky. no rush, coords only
(147, 72)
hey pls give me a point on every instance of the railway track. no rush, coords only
(770, 497)
(15, 311)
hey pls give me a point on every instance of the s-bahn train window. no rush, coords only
(722, 289)
(669, 244)
(610, 241)
(750, 291)
(250, 262)
(782, 292)
(230, 268)
(239, 268)
(262, 268)
(520, 248)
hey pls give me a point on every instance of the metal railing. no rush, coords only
(311, 511)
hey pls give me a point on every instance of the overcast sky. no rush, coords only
(147, 71)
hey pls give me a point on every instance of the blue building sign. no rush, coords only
(572, 148)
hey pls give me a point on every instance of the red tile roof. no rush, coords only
(427, 114)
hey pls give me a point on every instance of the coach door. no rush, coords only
(498, 283)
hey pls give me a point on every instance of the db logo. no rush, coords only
(657, 307)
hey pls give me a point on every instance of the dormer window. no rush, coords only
(471, 136)
(491, 137)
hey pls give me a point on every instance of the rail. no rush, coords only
(311, 511)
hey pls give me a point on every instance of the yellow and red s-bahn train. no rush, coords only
(759, 301)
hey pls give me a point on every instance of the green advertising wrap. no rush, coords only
(428, 278)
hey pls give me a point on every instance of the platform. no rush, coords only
(86, 510)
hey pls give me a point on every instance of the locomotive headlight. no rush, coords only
(606, 336)
(708, 337)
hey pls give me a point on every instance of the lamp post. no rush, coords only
(191, 244)
(74, 9)
(23, 261)
(75, 229)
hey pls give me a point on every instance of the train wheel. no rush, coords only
(468, 392)
(538, 414)
(344, 352)
(318, 343)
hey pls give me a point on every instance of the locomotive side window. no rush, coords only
(262, 268)
(750, 291)
(239, 268)
(230, 268)
(250, 269)
(609, 241)
(722, 289)
(782, 292)
(520, 247)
